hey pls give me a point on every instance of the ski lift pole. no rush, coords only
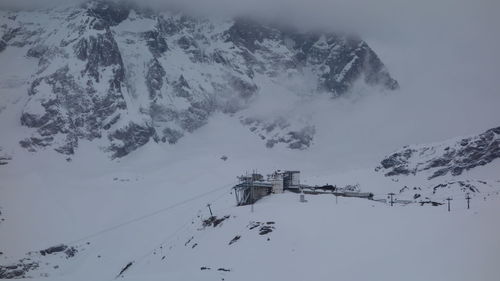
(392, 201)
(208, 205)
(252, 191)
(449, 199)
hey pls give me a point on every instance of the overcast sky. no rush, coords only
(380, 19)
(437, 20)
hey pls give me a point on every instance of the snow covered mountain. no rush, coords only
(183, 105)
(432, 172)
(453, 157)
(127, 75)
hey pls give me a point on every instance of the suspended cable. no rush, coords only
(148, 215)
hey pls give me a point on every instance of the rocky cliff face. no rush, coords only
(129, 75)
(451, 157)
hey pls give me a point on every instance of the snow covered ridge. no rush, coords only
(454, 156)
(128, 75)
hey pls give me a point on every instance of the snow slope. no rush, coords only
(73, 202)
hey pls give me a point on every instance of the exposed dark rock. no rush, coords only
(265, 230)
(214, 221)
(36, 262)
(347, 59)
(129, 139)
(7, 36)
(125, 269)
(101, 51)
(218, 57)
(16, 271)
(398, 159)
(246, 90)
(70, 110)
(107, 13)
(223, 269)
(196, 115)
(156, 43)
(353, 64)
(34, 120)
(182, 88)
(171, 135)
(54, 249)
(247, 33)
(189, 241)
(253, 225)
(301, 139)
(154, 79)
(3, 45)
(236, 238)
(68, 251)
(4, 160)
(37, 51)
(352, 188)
(463, 186)
(68, 148)
(33, 143)
(437, 191)
(276, 132)
(186, 42)
(442, 159)
(433, 203)
(168, 26)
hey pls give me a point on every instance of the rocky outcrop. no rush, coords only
(156, 43)
(338, 60)
(281, 131)
(39, 263)
(59, 105)
(99, 52)
(130, 138)
(106, 13)
(451, 157)
(7, 36)
(436, 193)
